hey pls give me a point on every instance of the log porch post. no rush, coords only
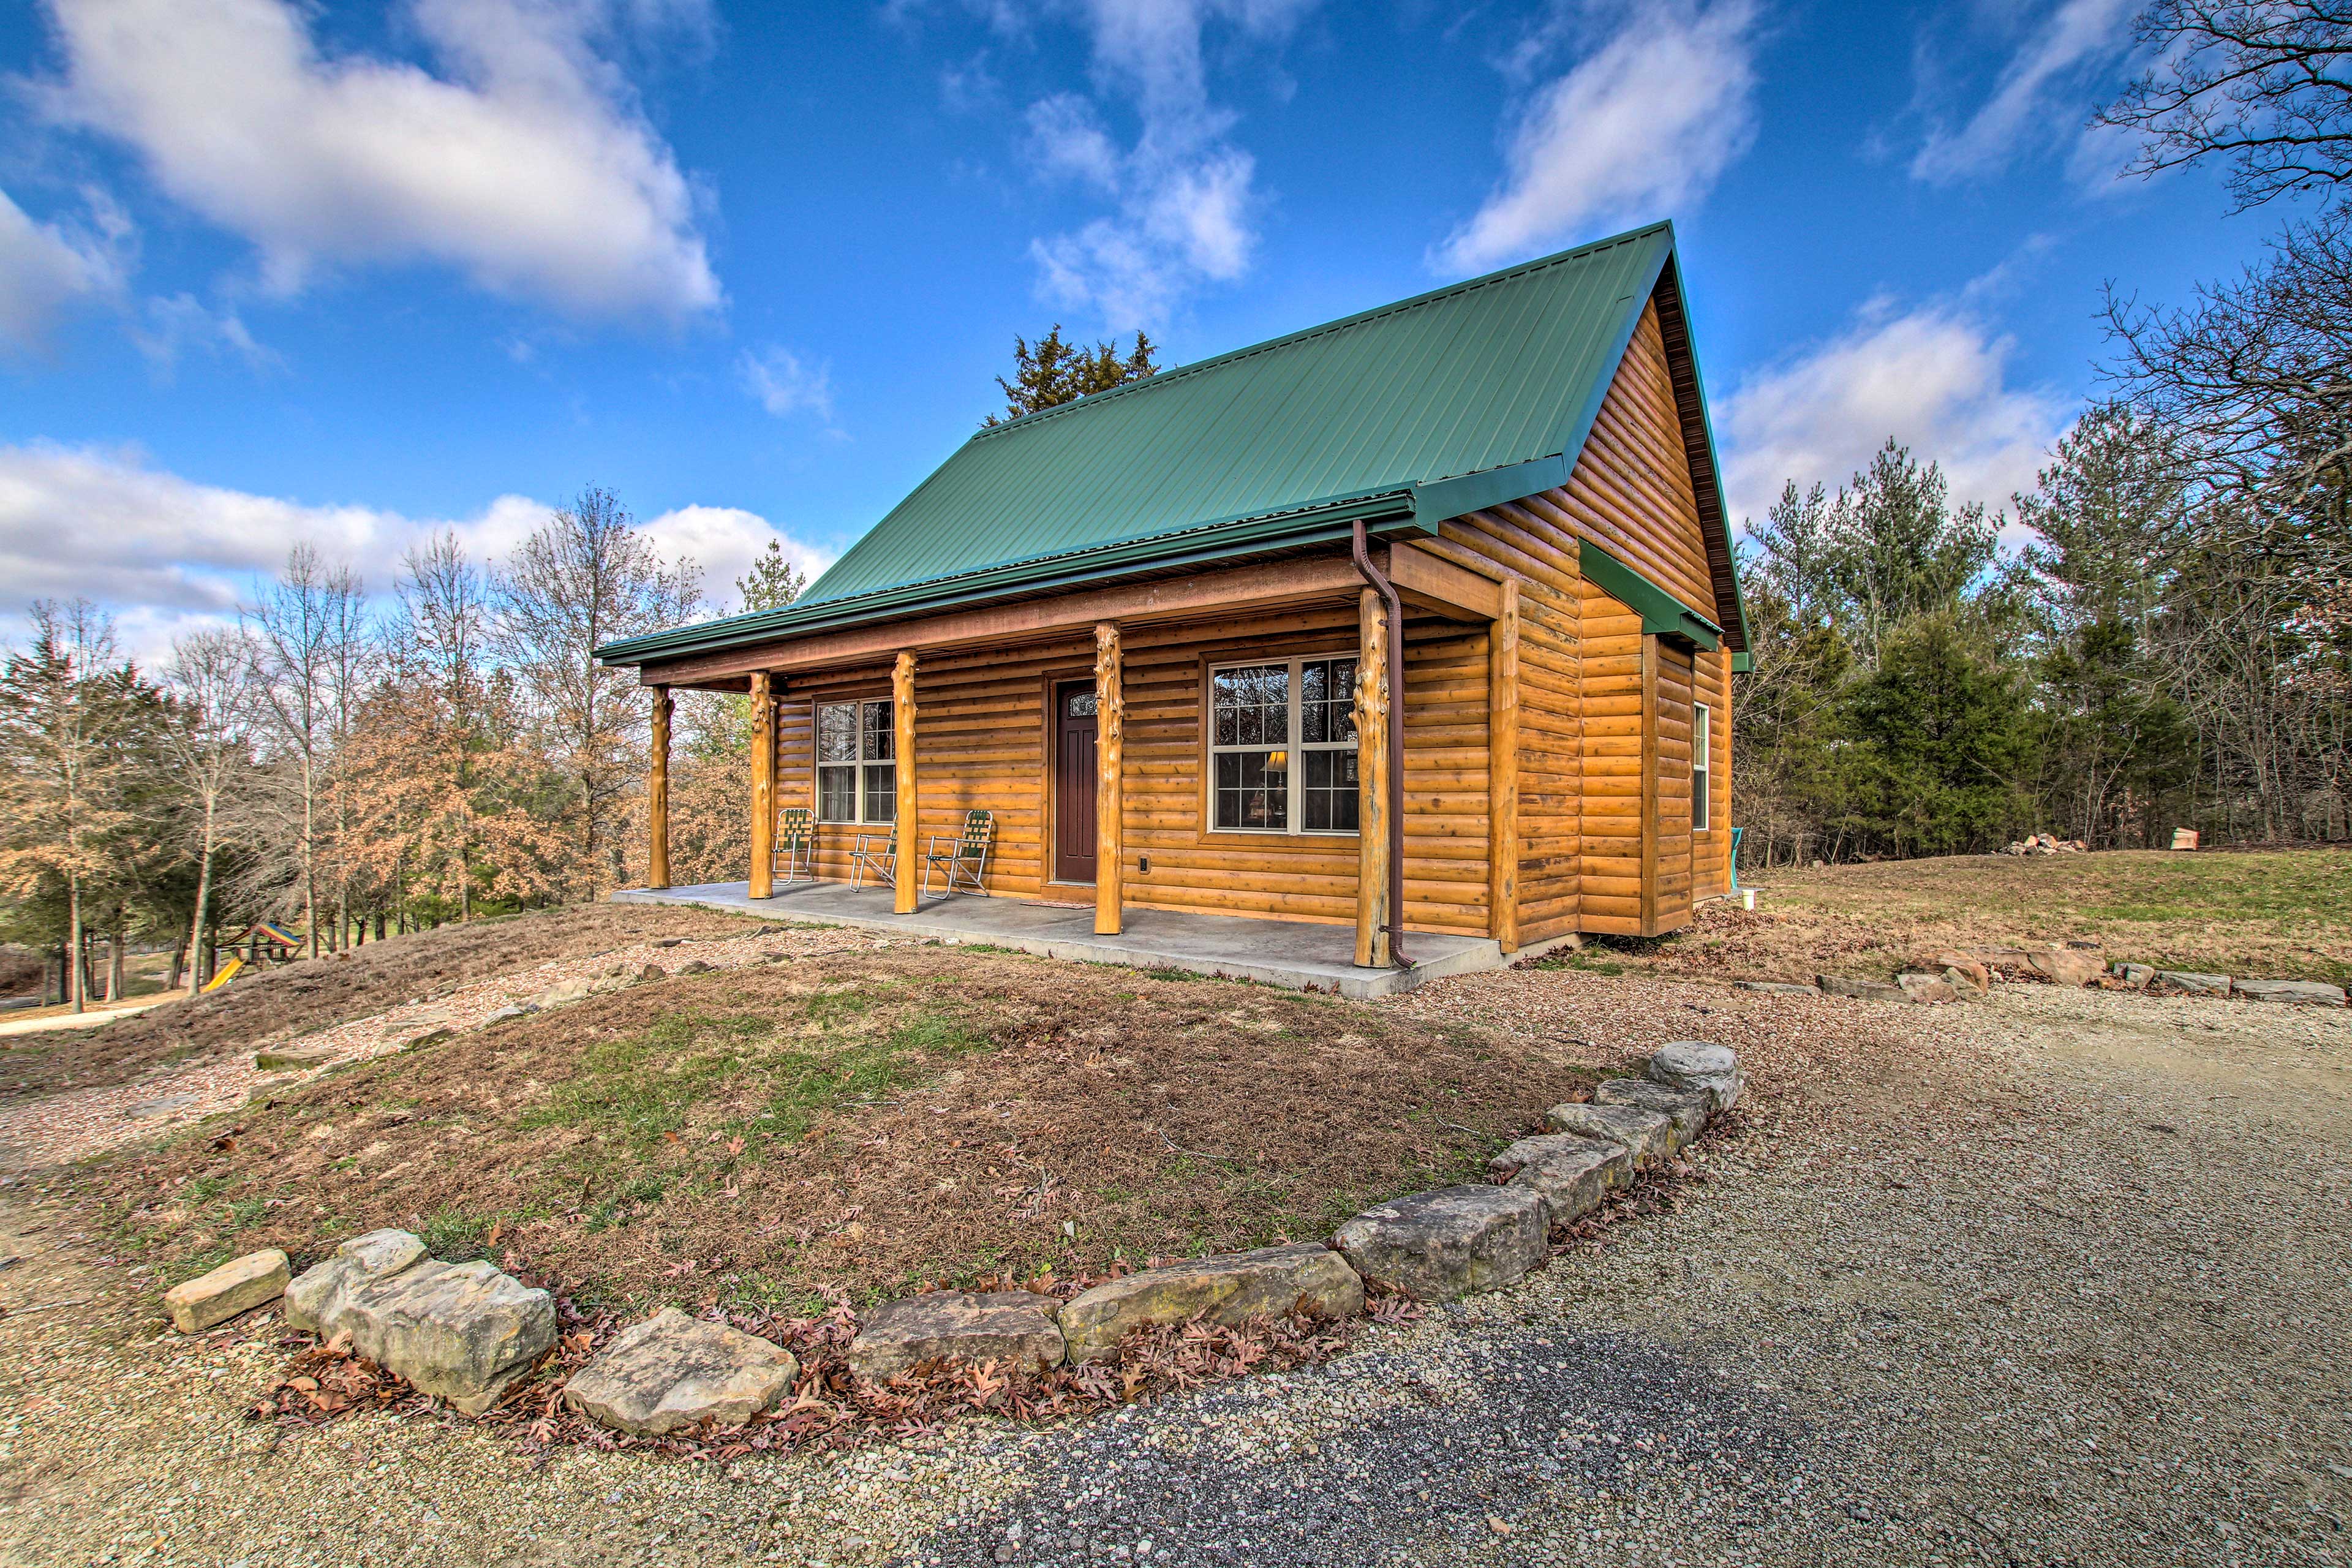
(657, 796)
(1110, 733)
(902, 751)
(763, 785)
(1372, 695)
(1503, 772)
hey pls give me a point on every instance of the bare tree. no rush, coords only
(61, 714)
(2260, 84)
(585, 578)
(209, 741)
(294, 624)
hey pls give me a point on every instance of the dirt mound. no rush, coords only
(278, 1004)
(859, 1124)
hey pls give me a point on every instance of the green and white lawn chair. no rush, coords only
(795, 856)
(875, 852)
(964, 857)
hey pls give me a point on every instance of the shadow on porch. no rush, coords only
(1301, 956)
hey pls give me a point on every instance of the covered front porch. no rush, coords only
(1295, 954)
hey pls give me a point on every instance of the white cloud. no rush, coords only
(1933, 378)
(47, 269)
(2040, 95)
(1642, 125)
(180, 322)
(1183, 192)
(727, 539)
(168, 554)
(524, 163)
(784, 386)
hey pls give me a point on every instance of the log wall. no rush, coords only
(983, 741)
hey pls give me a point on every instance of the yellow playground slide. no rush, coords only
(228, 973)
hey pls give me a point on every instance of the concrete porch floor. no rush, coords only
(1300, 956)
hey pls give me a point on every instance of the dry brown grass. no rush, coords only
(2276, 914)
(857, 1124)
(297, 998)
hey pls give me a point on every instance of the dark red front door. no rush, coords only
(1074, 781)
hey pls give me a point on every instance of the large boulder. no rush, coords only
(561, 992)
(1859, 990)
(2065, 965)
(2302, 993)
(461, 1332)
(1570, 1173)
(1700, 1064)
(1267, 1282)
(323, 1292)
(1687, 1109)
(1964, 974)
(672, 1370)
(1436, 1246)
(1930, 990)
(2189, 982)
(1016, 1326)
(237, 1286)
(1646, 1136)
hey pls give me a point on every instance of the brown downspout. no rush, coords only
(1387, 591)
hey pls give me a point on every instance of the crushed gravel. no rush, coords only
(2055, 1278)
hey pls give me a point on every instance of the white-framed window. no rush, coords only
(1281, 746)
(856, 771)
(1702, 739)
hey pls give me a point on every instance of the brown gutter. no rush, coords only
(1387, 591)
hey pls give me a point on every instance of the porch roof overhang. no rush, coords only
(1302, 575)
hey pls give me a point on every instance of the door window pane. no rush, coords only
(1079, 704)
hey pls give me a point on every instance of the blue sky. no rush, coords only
(273, 271)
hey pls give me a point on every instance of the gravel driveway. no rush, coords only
(2056, 1278)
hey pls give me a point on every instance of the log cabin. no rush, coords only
(1423, 619)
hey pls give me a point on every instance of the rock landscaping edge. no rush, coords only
(1967, 975)
(465, 1334)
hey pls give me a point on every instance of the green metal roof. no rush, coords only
(1463, 397)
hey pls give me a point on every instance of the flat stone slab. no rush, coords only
(1964, 974)
(1687, 1109)
(2135, 975)
(672, 1370)
(1703, 1065)
(1012, 1326)
(2300, 992)
(1645, 1136)
(1455, 1241)
(1859, 990)
(2191, 984)
(1777, 987)
(461, 1332)
(1571, 1173)
(1230, 1287)
(237, 1286)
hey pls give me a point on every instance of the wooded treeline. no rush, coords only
(353, 771)
(2168, 642)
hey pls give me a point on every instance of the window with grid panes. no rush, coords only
(856, 775)
(1281, 746)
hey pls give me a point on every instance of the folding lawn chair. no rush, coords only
(965, 858)
(795, 846)
(875, 852)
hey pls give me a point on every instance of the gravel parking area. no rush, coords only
(2055, 1278)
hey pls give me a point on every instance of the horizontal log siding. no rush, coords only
(1711, 855)
(980, 741)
